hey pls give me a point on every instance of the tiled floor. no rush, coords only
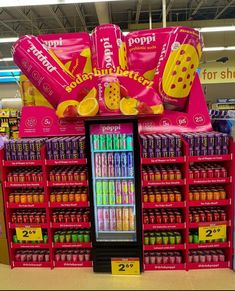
(85, 279)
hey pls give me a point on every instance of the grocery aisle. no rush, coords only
(85, 279)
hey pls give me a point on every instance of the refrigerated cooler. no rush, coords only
(115, 190)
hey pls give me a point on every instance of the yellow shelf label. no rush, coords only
(29, 233)
(125, 266)
(212, 232)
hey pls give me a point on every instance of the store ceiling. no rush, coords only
(16, 21)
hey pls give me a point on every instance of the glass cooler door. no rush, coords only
(113, 176)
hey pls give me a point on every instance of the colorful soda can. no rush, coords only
(96, 143)
(130, 164)
(118, 190)
(125, 199)
(131, 192)
(117, 164)
(105, 187)
(125, 219)
(109, 141)
(110, 165)
(106, 219)
(98, 163)
(113, 222)
(102, 142)
(99, 193)
(123, 164)
(104, 164)
(101, 219)
(129, 142)
(131, 219)
(116, 141)
(119, 218)
(112, 197)
(123, 144)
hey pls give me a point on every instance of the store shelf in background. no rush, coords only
(22, 163)
(72, 245)
(28, 225)
(209, 245)
(210, 203)
(215, 158)
(23, 184)
(198, 224)
(210, 181)
(32, 264)
(33, 205)
(71, 225)
(29, 246)
(66, 184)
(72, 264)
(66, 162)
(215, 265)
(68, 204)
(164, 205)
(164, 226)
(164, 247)
(169, 160)
(152, 267)
(164, 183)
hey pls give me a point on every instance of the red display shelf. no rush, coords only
(210, 181)
(66, 162)
(22, 163)
(65, 184)
(198, 224)
(210, 202)
(215, 158)
(71, 225)
(72, 264)
(164, 226)
(210, 245)
(33, 205)
(164, 247)
(31, 264)
(216, 265)
(164, 205)
(169, 160)
(164, 183)
(68, 204)
(29, 246)
(72, 245)
(28, 225)
(152, 267)
(23, 184)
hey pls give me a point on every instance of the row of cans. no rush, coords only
(72, 173)
(208, 214)
(215, 192)
(162, 237)
(28, 175)
(161, 145)
(206, 256)
(112, 141)
(210, 143)
(158, 173)
(73, 255)
(207, 170)
(32, 256)
(116, 219)
(71, 215)
(24, 149)
(162, 216)
(28, 216)
(110, 192)
(162, 258)
(114, 164)
(66, 147)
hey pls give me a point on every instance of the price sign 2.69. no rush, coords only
(212, 232)
(125, 266)
(29, 233)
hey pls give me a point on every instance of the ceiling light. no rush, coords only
(218, 48)
(6, 60)
(8, 39)
(11, 99)
(217, 29)
(10, 71)
(17, 3)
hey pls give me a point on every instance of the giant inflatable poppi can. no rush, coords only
(176, 69)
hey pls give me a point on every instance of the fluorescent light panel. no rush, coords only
(11, 99)
(10, 71)
(218, 48)
(6, 60)
(217, 28)
(8, 39)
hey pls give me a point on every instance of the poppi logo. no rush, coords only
(111, 128)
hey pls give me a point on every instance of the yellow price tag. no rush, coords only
(212, 232)
(125, 266)
(29, 233)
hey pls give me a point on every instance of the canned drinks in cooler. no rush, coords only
(124, 192)
(102, 142)
(129, 142)
(117, 164)
(110, 165)
(119, 219)
(123, 164)
(109, 141)
(111, 192)
(131, 191)
(105, 186)
(123, 144)
(100, 215)
(130, 164)
(104, 164)
(131, 219)
(98, 163)
(118, 191)
(113, 222)
(125, 219)
(116, 141)
(106, 219)
(99, 193)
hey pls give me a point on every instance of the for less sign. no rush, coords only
(219, 73)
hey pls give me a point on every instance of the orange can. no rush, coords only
(41, 198)
(30, 198)
(196, 196)
(71, 197)
(77, 197)
(216, 195)
(11, 198)
(23, 198)
(190, 196)
(164, 197)
(202, 195)
(17, 198)
(158, 197)
(151, 197)
(171, 197)
(222, 194)
(52, 198)
(178, 197)
(84, 197)
(146, 199)
(209, 195)
(58, 197)
(35, 198)
(65, 197)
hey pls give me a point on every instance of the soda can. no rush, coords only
(131, 192)
(125, 219)
(123, 144)
(131, 219)
(109, 141)
(112, 193)
(105, 199)
(100, 219)
(125, 199)
(150, 153)
(218, 139)
(98, 163)
(157, 142)
(117, 164)
(113, 223)
(129, 142)
(118, 190)
(106, 219)
(224, 150)
(110, 165)
(225, 139)
(116, 141)
(123, 164)
(96, 143)
(99, 188)
(119, 218)
(130, 164)
(102, 142)
(104, 164)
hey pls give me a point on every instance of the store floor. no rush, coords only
(85, 279)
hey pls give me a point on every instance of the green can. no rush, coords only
(87, 237)
(105, 200)
(96, 142)
(165, 239)
(99, 188)
(68, 237)
(102, 142)
(109, 141)
(112, 196)
(56, 238)
(74, 237)
(80, 237)
(99, 199)
(158, 238)
(171, 238)
(15, 240)
(45, 239)
(151, 238)
(123, 141)
(195, 238)
(129, 142)
(146, 239)
(116, 141)
(62, 238)
(105, 187)
(190, 238)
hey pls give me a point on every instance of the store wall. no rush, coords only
(9, 90)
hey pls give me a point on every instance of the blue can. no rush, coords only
(130, 164)
(124, 164)
(117, 164)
